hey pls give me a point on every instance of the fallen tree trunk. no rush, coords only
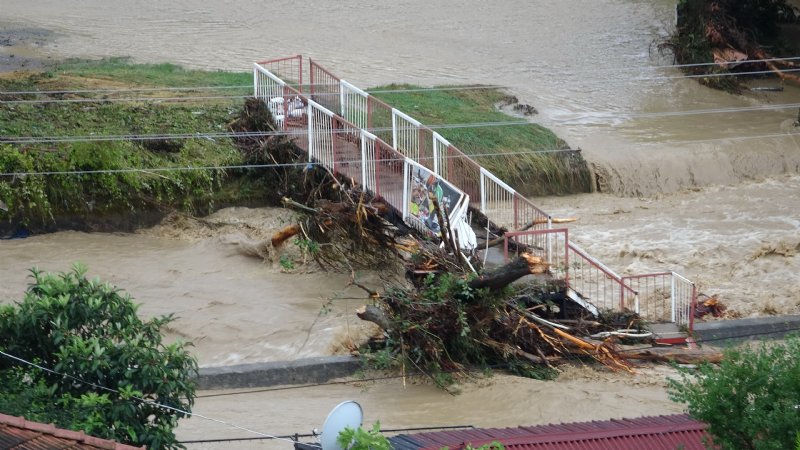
(680, 356)
(525, 264)
(282, 235)
(373, 314)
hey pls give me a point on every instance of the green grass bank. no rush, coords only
(520, 154)
(99, 118)
(108, 99)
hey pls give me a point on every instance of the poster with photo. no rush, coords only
(424, 182)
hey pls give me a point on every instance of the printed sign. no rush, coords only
(423, 183)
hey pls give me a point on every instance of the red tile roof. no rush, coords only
(16, 432)
(652, 433)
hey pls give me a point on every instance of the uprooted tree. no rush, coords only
(740, 36)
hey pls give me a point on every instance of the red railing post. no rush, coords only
(334, 134)
(311, 77)
(566, 257)
(300, 71)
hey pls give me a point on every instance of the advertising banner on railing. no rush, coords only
(422, 185)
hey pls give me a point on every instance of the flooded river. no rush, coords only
(589, 66)
(705, 194)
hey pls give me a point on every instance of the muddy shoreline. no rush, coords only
(21, 47)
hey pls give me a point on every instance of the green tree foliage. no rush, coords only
(88, 330)
(751, 401)
(361, 439)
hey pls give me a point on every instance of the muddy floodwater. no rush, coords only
(590, 67)
(695, 180)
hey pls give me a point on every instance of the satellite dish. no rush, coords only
(345, 414)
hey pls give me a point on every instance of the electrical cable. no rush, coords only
(142, 400)
(247, 86)
(297, 435)
(336, 94)
(300, 132)
(250, 87)
(257, 166)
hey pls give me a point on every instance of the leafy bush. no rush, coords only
(361, 439)
(88, 330)
(751, 401)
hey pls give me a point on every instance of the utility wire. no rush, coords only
(311, 164)
(247, 86)
(142, 400)
(328, 94)
(322, 94)
(382, 430)
(260, 166)
(374, 130)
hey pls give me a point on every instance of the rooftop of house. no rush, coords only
(16, 432)
(654, 433)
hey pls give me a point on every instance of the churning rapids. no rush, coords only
(703, 194)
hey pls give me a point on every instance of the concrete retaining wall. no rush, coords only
(303, 371)
(732, 331)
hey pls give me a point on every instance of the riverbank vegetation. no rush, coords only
(527, 156)
(109, 372)
(114, 122)
(107, 128)
(739, 37)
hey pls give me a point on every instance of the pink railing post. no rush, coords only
(300, 71)
(311, 77)
(566, 257)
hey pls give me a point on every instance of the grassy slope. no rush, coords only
(35, 201)
(516, 162)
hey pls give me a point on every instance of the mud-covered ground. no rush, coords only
(20, 47)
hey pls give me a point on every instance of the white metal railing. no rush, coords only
(320, 134)
(440, 146)
(497, 200)
(425, 163)
(597, 283)
(354, 104)
(664, 296)
(405, 134)
(347, 148)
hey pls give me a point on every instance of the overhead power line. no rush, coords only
(145, 170)
(371, 91)
(180, 89)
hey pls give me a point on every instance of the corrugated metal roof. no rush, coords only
(16, 432)
(655, 433)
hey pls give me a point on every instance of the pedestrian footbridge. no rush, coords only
(401, 160)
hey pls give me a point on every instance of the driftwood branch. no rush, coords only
(373, 314)
(502, 276)
(285, 233)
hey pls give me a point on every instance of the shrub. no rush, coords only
(88, 330)
(751, 401)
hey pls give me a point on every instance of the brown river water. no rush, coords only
(703, 194)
